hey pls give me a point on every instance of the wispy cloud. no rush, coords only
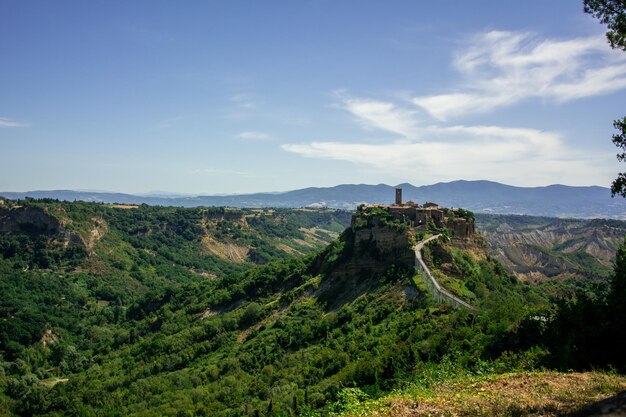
(253, 136)
(502, 68)
(244, 101)
(11, 123)
(499, 69)
(428, 153)
(515, 156)
(379, 114)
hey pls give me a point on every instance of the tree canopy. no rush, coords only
(613, 14)
(619, 139)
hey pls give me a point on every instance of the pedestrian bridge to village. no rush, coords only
(438, 292)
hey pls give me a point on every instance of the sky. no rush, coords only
(222, 97)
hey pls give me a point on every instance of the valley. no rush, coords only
(221, 311)
(540, 248)
(312, 208)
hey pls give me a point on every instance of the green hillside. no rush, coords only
(144, 317)
(75, 267)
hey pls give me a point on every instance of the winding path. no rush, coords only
(438, 292)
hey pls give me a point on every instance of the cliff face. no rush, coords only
(460, 228)
(366, 254)
(385, 243)
(371, 246)
(29, 220)
(38, 221)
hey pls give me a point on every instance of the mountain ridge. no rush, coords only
(481, 196)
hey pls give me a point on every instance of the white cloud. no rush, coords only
(510, 155)
(502, 68)
(253, 136)
(381, 115)
(11, 123)
(244, 100)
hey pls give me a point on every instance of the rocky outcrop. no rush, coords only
(460, 228)
(375, 247)
(38, 221)
(365, 255)
(48, 338)
(386, 240)
(29, 220)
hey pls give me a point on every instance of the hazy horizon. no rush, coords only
(164, 193)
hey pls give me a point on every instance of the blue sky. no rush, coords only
(244, 96)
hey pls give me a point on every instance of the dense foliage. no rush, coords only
(71, 272)
(283, 351)
(619, 139)
(87, 336)
(613, 14)
(587, 330)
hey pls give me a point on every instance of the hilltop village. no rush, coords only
(458, 222)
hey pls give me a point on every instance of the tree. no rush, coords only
(616, 313)
(613, 14)
(619, 139)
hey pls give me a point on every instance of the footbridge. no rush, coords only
(439, 293)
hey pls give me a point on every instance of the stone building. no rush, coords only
(428, 216)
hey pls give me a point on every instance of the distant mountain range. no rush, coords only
(479, 196)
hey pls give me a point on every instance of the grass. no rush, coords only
(123, 206)
(512, 394)
(419, 279)
(51, 382)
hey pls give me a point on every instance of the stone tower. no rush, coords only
(398, 196)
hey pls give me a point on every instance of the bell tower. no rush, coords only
(398, 196)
